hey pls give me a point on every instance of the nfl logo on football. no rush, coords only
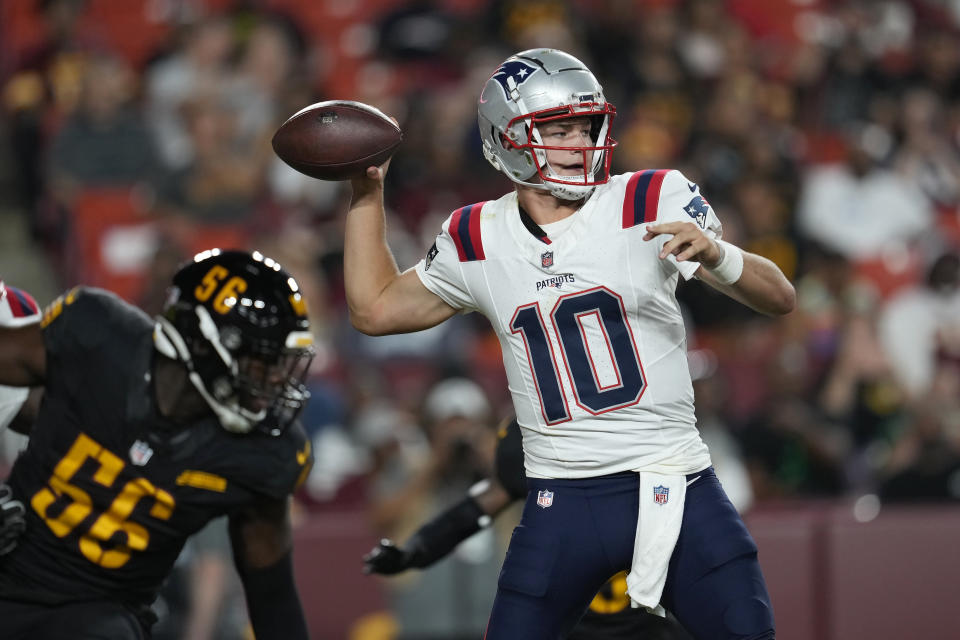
(661, 494)
(546, 259)
(544, 499)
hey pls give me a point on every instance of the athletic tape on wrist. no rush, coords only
(730, 267)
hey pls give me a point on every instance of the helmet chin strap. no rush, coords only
(571, 192)
(568, 191)
(170, 343)
(233, 418)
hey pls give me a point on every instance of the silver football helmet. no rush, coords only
(537, 86)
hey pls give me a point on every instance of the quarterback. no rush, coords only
(576, 271)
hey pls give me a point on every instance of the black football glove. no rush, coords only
(387, 559)
(12, 520)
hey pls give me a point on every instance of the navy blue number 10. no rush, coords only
(566, 318)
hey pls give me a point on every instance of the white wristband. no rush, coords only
(730, 267)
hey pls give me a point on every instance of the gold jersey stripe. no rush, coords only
(202, 480)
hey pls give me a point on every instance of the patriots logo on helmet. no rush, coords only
(519, 70)
(697, 209)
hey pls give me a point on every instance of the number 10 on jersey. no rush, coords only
(568, 318)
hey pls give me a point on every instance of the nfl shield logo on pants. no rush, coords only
(546, 259)
(544, 498)
(661, 494)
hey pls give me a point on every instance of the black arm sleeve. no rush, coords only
(273, 603)
(509, 461)
(438, 537)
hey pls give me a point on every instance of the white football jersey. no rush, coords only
(16, 309)
(592, 336)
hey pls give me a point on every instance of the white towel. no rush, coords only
(658, 527)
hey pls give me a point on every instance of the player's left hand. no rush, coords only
(12, 520)
(689, 242)
(386, 559)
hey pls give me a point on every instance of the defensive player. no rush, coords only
(17, 308)
(577, 271)
(609, 617)
(146, 431)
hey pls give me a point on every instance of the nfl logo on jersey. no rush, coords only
(544, 498)
(661, 494)
(546, 259)
(140, 453)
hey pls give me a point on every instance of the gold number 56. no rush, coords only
(111, 521)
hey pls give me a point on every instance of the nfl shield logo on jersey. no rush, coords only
(661, 494)
(546, 259)
(544, 498)
(140, 453)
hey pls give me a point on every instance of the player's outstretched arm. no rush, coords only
(744, 276)
(380, 298)
(262, 550)
(23, 357)
(438, 537)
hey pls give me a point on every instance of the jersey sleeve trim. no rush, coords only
(642, 196)
(22, 304)
(465, 231)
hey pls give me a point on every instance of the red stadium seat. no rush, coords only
(111, 240)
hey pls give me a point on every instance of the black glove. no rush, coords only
(12, 520)
(387, 559)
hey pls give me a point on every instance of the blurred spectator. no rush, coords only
(226, 174)
(44, 87)
(198, 66)
(859, 208)
(264, 69)
(926, 158)
(725, 453)
(105, 141)
(793, 447)
(925, 462)
(453, 599)
(921, 324)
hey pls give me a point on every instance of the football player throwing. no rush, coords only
(576, 272)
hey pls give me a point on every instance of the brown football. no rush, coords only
(336, 139)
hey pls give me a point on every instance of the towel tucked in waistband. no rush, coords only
(658, 527)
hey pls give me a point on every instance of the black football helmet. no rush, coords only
(238, 322)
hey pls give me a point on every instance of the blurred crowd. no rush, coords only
(825, 133)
